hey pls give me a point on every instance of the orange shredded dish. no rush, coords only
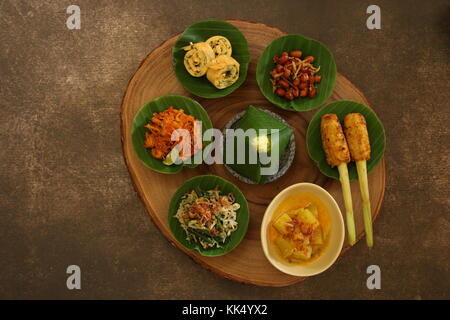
(161, 127)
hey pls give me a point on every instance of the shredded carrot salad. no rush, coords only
(161, 127)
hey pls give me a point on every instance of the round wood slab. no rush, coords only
(247, 263)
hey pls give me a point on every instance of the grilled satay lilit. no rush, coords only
(338, 155)
(333, 140)
(358, 142)
(357, 136)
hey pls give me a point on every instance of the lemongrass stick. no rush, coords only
(345, 183)
(361, 166)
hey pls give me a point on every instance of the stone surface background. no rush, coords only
(65, 194)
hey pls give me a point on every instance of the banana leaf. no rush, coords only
(309, 47)
(201, 184)
(200, 32)
(145, 114)
(341, 109)
(257, 119)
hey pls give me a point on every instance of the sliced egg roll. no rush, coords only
(220, 45)
(223, 72)
(197, 57)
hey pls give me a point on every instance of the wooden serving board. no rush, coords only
(247, 263)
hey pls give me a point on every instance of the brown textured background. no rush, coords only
(65, 194)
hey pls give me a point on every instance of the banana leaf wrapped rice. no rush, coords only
(270, 151)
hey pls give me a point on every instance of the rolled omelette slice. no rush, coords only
(197, 57)
(220, 45)
(223, 72)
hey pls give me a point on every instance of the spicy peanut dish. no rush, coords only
(208, 218)
(294, 77)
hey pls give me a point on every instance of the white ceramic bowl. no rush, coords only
(331, 252)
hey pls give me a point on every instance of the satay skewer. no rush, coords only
(338, 155)
(358, 142)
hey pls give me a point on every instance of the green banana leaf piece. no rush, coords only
(309, 47)
(200, 32)
(341, 109)
(145, 114)
(201, 184)
(257, 119)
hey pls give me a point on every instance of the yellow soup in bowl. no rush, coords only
(302, 231)
(299, 230)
